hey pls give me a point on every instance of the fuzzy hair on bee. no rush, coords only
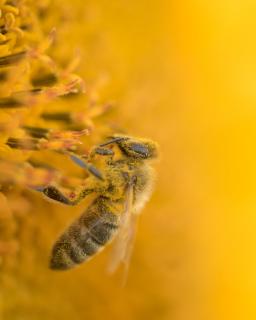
(121, 177)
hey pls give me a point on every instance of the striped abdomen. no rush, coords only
(87, 235)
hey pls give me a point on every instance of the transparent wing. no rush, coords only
(124, 241)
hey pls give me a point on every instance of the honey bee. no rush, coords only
(121, 188)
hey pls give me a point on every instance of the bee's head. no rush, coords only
(136, 148)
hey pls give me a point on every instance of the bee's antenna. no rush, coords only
(113, 141)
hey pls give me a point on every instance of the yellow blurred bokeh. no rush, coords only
(182, 73)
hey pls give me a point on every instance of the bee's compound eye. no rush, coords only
(140, 149)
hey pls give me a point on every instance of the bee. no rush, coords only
(121, 190)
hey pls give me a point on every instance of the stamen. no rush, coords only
(25, 144)
(12, 59)
(57, 116)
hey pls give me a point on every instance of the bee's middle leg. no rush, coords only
(71, 198)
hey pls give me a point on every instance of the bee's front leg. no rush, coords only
(87, 166)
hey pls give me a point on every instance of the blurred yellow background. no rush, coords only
(182, 73)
